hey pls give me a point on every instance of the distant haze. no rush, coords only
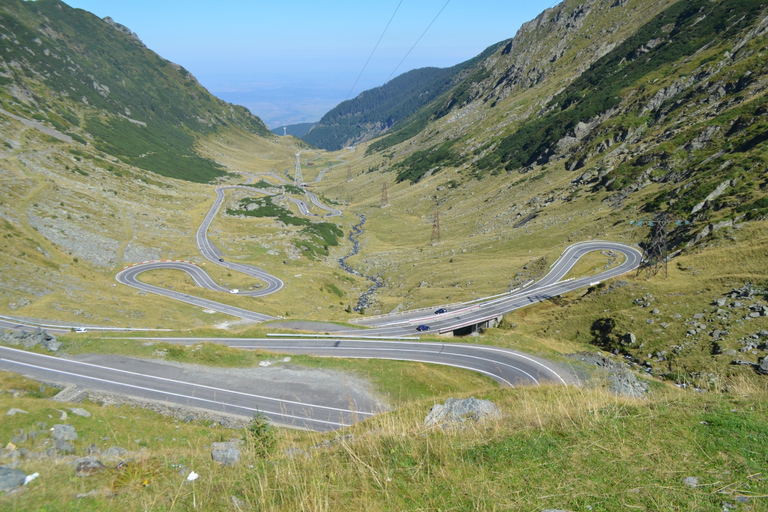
(292, 62)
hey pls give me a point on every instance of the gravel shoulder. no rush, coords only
(278, 379)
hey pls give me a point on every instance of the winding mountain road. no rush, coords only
(309, 408)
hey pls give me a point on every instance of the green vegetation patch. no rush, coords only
(317, 236)
(420, 163)
(676, 33)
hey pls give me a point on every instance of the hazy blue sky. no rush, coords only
(292, 61)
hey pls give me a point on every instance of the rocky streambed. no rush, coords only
(365, 299)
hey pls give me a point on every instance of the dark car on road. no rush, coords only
(441, 311)
(422, 328)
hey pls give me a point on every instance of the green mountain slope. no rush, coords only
(94, 80)
(593, 120)
(378, 110)
(679, 101)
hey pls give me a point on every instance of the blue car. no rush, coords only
(422, 328)
(441, 311)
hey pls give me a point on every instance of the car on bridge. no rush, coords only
(422, 327)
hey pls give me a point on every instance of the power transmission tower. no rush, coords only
(436, 228)
(298, 179)
(655, 249)
(384, 197)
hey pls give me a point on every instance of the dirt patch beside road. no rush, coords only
(278, 379)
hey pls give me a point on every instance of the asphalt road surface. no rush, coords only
(148, 380)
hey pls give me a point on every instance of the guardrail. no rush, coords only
(29, 323)
(385, 315)
(344, 336)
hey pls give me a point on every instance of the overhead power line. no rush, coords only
(417, 41)
(374, 51)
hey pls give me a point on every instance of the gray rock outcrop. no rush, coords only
(64, 433)
(456, 411)
(11, 479)
(227, 454)
(88, 466)
(114, 453)
(31, 339)
(71, 394)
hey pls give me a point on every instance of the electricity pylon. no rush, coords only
(298, 179)
(436, 228)
(655, 250)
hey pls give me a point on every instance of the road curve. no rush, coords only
(129, 276)
(549, 286)
(147, 380)
(507, 367)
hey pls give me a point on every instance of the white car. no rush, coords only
(234, 290)
(81, 329)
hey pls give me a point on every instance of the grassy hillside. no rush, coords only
(571, 449)
(96, 82)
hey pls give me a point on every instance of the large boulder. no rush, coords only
(88, 466)
(227, 454)
(64, 433)
(623, 382)
(11, 479)
(457, 411)
(763, 368)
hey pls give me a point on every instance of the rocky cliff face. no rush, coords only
(627, 94)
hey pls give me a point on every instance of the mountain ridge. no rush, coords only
(142, 108)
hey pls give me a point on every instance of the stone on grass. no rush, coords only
(11, 479)
(88, 466)
(72, 394)
(64, 433)
(80, 412)
(227, 454)
(691, 481)
(64, 446)
(624, 383)
(13, 412)
(763, 368)
(460, 410)
(114, 452)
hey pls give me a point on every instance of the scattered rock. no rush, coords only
(691, 481)
(763, 368)
(227, 454)
(114, 453)
(626, 384)
(461, 410)
(80, 412)
(31, 339)
(64, 447)
(11, 479)
(71, 394)
(13, 412)
(622, 381)
(237, 503)
(629, 339)
(64, 433)
(88, 466)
